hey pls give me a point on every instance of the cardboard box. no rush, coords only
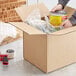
(48, 52)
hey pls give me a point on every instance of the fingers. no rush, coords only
(66, 24)
(63, 24)
(54, 9)
(57, 8)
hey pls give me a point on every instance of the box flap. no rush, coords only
(26, 28)
(65, 31)
(69, 11)
(33, 31)
(24, 10)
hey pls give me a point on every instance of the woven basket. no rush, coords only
(7, 10)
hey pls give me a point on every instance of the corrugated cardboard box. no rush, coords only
(47, 51)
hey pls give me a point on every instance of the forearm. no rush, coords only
(63, 2)
(73, 19)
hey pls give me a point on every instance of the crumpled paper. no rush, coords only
(7, 30)
(34, 19)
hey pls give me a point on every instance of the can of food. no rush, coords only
(56, 18)
(10, 53)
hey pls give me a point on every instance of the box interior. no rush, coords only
(24, 12)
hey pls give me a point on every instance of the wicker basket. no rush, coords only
(8, 14)
(7, 10)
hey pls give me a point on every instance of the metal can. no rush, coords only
(10, 53)
(56, 18)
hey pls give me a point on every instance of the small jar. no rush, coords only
(10, 53)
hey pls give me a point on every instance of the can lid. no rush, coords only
(10, 51)
(58, 13)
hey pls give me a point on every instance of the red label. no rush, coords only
(64, 18)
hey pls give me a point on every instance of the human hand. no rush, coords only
(57, 8)
(66, 24)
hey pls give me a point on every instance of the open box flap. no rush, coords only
(26, 28)
(69, 10)
(24, 11)
(65, 31)
(33, 31)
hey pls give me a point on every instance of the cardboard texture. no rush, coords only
(48, 52)
(7, 12)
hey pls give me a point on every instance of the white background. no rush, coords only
(51, 3)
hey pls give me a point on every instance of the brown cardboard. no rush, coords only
(24, 13)
(46, 51)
